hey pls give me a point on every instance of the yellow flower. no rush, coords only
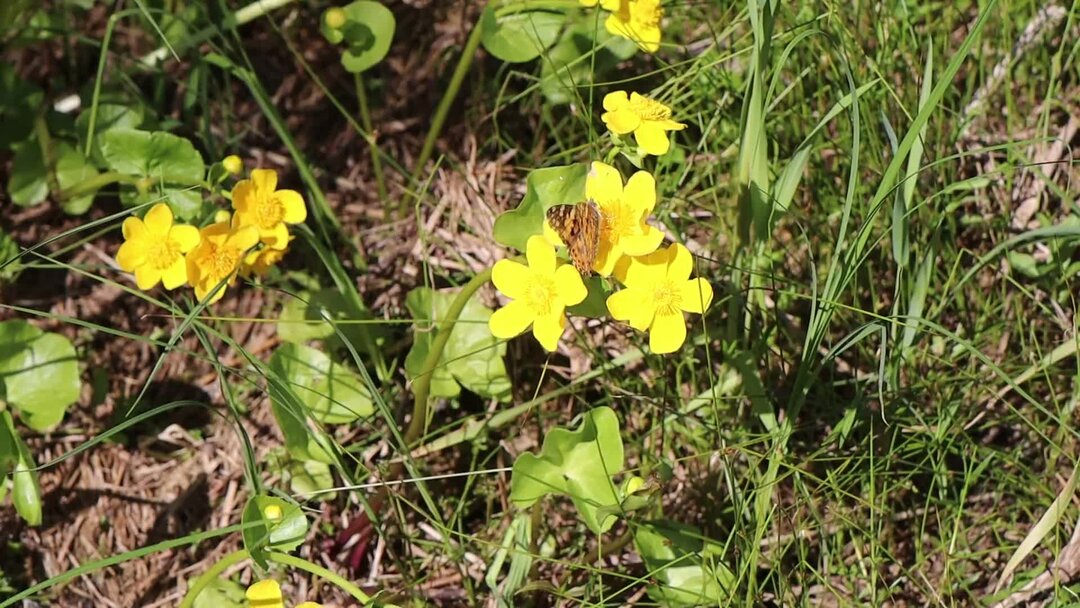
(218, 256)
(539, 293)
(648, 119)
(658, 291)
(259, 204)
(154, 248)
(623, 211)
(267, 594)
(636, 20)
(259, 261)
(233, 164)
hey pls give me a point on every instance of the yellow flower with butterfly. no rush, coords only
(611, 223)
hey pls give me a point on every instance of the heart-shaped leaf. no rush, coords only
(329, 392)
(39, 372)
(544, 188)
(472, 356)
(579, 464)
(520, 36)
(368, 32)
(171, 160)
(687, 567)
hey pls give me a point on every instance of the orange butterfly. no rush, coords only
(579, 227)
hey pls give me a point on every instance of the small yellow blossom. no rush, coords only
(335, 18)
(539, 294)
(272, 512)
(648, 119)
(233, 164)
(636, 20)
(259, 261)
(658, 290)
(623, 211)
(258, 203)
(267, 594)
(154, 248)
(218, 256)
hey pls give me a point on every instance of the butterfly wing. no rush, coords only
(579, 227)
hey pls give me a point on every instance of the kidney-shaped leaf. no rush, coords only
(154, 154)
(544, 188)
(688, 568)
(472, 356)
(368, 32)
(520, 36)
(579, 464)
(39, 372)
(332, 393)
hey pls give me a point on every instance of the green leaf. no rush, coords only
(109, 116)
(39, 371)
(73, 168)
(520, 36)
(161, 156)
(10, 266)
(686, 566)
(262, 533)
(28, 185)
(586, 51)
(330, 392)
(221, 593)
(368, 31)
(310, 476)
(26, 492)
(19, 103)
(579, 464)
(472, 356)
(544, 188)
(302, 320)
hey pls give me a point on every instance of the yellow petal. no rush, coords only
(146, 276)
(131, 255)
(646, 271)
(671, 125)
(696, 295)
(175, 275)
(159, 219)
(603, 183)
(667, 334)
(569, 285)
(243, 195)
(549, 328)
(609, 255)
(621, 121)
(625, 303)
(511, 278)
(295, 210)
(551, 236)
(244, 238)
(265, 594)
(608, 5)
(652, 138)
(681, 262)
(309, 605)
(265, 180)
(186, 237)
(648, 38)
(616, 100)
(133, 228)
(205, 288)
(541, 255)
(642, 244)
(510, 320)
(277, 237)
(640, 194)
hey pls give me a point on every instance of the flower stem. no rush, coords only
(312, 568)
(466, 59)
(211, 573)
(376, 161)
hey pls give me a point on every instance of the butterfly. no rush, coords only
(579, 227)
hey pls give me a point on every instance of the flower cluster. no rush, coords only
(656, 284)
(248, 241)
(635, 20)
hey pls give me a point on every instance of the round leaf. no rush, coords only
(370, 42)
(72, 168)
(544, 188)
(40, 373)
(28, 185)
(331, 393)
(521, 36)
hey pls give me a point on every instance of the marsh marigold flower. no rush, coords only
(259, 261)
(635, 20)
(267, 594)
(648, 119)
(218, 257)
(258, 203)
(539, 294)
(154, 248)
(623, 211)
(658, 291)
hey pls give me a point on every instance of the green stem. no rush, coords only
(48, 154)
(466, 59)
(332, 577)
(208, 577)
(369, 134)
(422, 383)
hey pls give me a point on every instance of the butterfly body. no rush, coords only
(579, 227)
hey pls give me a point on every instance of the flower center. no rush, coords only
(667, 297)
(617, 219)
(220, 261)
(162, 254)
(541, 295)
(269, 212)
(649, 109)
